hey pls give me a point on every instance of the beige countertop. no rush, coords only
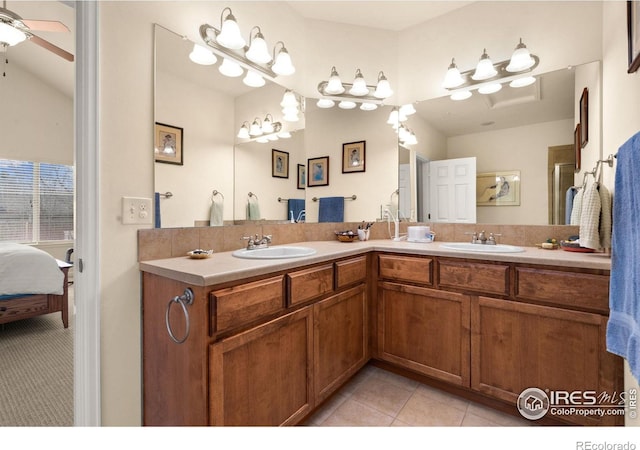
(223, 267)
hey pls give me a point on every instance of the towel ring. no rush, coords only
(214, 193)
(251, 194)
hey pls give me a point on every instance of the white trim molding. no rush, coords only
(87, 404)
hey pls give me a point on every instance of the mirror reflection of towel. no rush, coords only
(331, 209)
(253, 210)
(296, 205)
(216, 219)
(156, 199)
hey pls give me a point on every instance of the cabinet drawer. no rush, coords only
(351, 271)
(578, 290)
(22, 308)
(405, 268)
(310, 283)
(472, 276)
(245, 303)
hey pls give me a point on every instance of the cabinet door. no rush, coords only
(340, 339)
(264, 375)
(425, 330)
(517, 346)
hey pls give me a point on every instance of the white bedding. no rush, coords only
(28, 270)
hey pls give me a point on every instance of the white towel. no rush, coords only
(577, 207)
(590, 217)
(253, 210)
(217, 217)
(605, 217)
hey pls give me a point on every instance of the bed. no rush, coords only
(32, 283)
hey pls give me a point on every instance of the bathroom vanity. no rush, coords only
(267, 341)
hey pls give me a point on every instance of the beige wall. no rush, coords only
(126, 92)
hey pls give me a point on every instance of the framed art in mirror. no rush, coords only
(318, 170)
(302, 176)
(353, 157)
(633, 35)
(279, 164)
(577, 146)
(498, 188)
(584, 117)
(168, 144)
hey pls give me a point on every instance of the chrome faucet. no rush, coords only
(481, 238)
(254, 242)
(301, 216)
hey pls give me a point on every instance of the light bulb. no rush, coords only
(407, 110)
(244, 132)
(284, 135)
(461, 95)
(359, 87)
(346, 104)
(453, 78)
(256, 129)
(229, 35)
(253, 79)
(490, 88)
(522, 82)
(258, 51)
(230, 68)
(368, 106)
(283, 64)
(334, 85)
(484, 69)
(262, 140)
(325, 103)
(383, 88)
(289, 99)
(10, 35)
(520, 59)
(267, 126)
(201, 55)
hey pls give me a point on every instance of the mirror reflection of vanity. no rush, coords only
(214, 154)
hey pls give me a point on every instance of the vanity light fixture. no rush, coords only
(262, 132)
(357, 92)
(228, 43)
(488, 78)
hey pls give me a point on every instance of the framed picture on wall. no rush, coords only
(318, 171)
(584, 117)
(498, 188)
(578, 147)
(302, 176)
(353, 157)
(633, 35)
(168, 144)
(279, 164)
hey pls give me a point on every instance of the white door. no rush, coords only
(452, 185)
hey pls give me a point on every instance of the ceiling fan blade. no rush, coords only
(45, 25)
(49, 46)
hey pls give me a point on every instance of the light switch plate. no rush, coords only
(136, 210)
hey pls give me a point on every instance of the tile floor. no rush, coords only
(377, 398)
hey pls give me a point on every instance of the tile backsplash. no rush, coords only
(159, 243)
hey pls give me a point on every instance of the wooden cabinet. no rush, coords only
(340, 339)
(425, 330)
(263, 376)
(516, 346)
(473, 276)
(309, 284)
(411, 269)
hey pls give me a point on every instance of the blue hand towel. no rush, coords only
(296, 205)
(331, 209)
(623, 328)
(156, 199)
(568, 205)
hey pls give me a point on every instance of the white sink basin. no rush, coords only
(279, 252)
(469, 247)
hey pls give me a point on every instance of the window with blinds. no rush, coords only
(36, 201)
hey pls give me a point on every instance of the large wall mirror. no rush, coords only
(526, 133)
(245, 174)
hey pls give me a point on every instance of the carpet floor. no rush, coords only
(36, 372)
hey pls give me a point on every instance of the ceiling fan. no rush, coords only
(14, 30)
